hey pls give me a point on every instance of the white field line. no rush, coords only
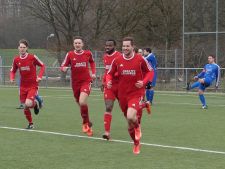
(117, 141)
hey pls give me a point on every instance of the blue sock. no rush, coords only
(147, 93)
(151, 93)
(39, 99)
(202, 99)
(194, 85)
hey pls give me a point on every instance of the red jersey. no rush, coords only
(129, 72)
(107, 60)
(27, 67)
(79, 65)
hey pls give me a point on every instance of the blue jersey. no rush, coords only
(210, 73)
(152, 61)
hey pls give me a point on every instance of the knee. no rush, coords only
(28, 103)
(82, 102)
(131, 115)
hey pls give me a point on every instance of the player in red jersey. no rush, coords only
(78, 61)
(133, 74)
(26, 63)
(109, 94)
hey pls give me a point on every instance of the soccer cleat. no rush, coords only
(204, 107)
(106, 136)
(138, 133)
(30, 126)
(89, 132)
(188, 86)
(86, 128)
(136, 148)
(36, 107)
(148, 107)
(20, 107)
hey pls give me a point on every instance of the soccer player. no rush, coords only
(133, 74)
(78, 61)
(150, 57)
(109, 94)
(26, 63)
(210, 73)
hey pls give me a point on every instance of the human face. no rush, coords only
(22, 49)
(127, 48)
(109, 47)
(78, 44)
(210, 59)
(146, 53)
(140, 51)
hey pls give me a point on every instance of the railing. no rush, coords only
(168, 78)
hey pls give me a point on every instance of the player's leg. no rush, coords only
(27, 112)
(108, 118)
(109, 98)
(83, 100)
(204, 83)
(40, 100)
(151, 90)
(194, 85)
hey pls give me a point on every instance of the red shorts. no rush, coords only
(28, 93)
(135, 102)
(81, 87)
(111, 94)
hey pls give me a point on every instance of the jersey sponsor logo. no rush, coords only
(107, 67)
(25, 68)
(81, 64)
(129, 72)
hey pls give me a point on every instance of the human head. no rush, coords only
(140, 51)
(23, 46)
(128, 46)
(110, 45)
(78, 43)
(211, 59)
(147, 51)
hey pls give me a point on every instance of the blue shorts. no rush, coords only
(207, 83)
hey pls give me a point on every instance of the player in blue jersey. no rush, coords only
(150, 57)
(209, 74)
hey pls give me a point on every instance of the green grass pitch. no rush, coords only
(177, 121)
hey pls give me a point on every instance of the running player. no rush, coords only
(26, 63)
(78, 61)
(133, 74)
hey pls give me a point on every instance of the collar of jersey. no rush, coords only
(24, 56)
(79, 53)
(111, 54)
(128, 58)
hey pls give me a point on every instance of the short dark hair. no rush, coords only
(111, 40)
(78, 37)
(131, 39)
(148, 50)
(24, 41)
(213, 56)
(135, 49)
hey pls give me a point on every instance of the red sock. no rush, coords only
(132, 135)
(139, 115)
(27, 113)
(84, 113)
(107, 121)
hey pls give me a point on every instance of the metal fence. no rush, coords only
(168, 78)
